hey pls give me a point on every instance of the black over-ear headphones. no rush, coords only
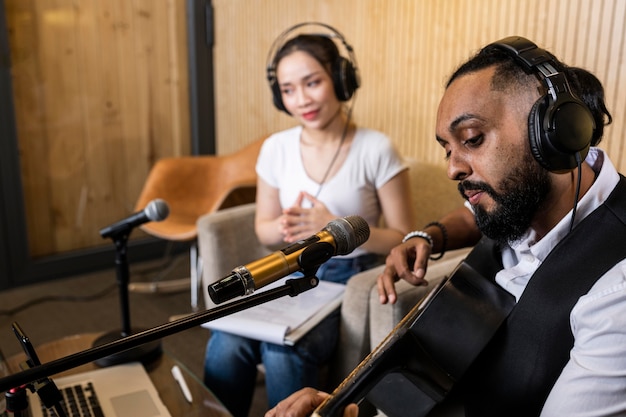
(560, 125)
(344, 71)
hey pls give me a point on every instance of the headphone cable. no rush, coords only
(577, 193)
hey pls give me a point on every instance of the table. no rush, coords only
(204, 404)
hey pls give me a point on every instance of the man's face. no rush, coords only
(485, 136)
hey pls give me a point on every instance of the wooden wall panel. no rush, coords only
(100, 86)
(100, 90)
(405, 50)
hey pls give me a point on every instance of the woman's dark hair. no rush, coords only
(320, 47)
(584, 84)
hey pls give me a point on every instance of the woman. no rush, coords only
(324, 168)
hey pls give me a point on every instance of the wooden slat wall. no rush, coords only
(405, 50)
(100, 86)
(100, 89)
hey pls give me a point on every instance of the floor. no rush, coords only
(91, 303)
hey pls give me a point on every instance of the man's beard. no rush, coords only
(521, 196)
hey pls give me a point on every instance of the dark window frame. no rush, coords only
(17, 267)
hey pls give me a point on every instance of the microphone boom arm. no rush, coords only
(292, 287)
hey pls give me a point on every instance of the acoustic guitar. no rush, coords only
(417, 364)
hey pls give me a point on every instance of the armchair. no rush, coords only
(226, 239)
(193, 186)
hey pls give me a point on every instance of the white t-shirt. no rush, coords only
(370, 163)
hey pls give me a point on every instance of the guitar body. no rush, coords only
(418, 363)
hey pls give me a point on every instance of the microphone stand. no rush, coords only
(292, 287)
(144, 353)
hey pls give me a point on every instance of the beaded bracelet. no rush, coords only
(444, 242)
(419, 233)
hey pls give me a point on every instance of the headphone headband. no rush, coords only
(524, 50)
(281, 40)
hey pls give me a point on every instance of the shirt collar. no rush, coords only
(607, 178)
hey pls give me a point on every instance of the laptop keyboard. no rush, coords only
(79, 400)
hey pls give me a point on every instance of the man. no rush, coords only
(517, 138)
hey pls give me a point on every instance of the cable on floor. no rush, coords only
(64, 298)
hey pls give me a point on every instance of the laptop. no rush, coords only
(123, 390)
(117, 391)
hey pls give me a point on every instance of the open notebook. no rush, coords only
(285, 320)
(120, 390)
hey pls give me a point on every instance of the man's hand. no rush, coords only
(302, 403)
(407, 261)
(299, 404)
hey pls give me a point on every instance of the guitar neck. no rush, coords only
(354, 388)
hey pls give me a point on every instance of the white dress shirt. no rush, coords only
(593, 382)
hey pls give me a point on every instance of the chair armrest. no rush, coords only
(226, 239)
(354, 329)
(384, 317)
(365, 322)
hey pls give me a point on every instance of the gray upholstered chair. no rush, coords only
(226, 239)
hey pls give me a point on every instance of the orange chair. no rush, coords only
(197, 185)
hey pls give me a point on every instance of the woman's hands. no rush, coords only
(298, 222)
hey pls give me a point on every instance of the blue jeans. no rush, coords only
(230, 365)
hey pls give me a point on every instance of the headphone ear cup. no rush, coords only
(345, 79)
(535, 132)
(558, 133)
(277, 95)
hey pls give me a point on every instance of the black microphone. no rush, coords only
(339, 237)
(155, 211)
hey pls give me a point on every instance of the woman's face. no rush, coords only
(307, 90)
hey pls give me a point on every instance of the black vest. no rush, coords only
(515, 373)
